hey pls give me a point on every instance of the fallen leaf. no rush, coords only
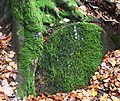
(104, 97)
(14, 76)
(1, 34)
(114, 98)
(11, 54)
(5, 82)
(105, 75)
(45, 39)
(113, 62)
(61, 22)
(106, 80)
(48, 15)
(7, 75)
(15, 67)
(2, 95)
(9, 68)
(8, 60)
(117, 83)
(12, 63)
(13, 83)
(8, 90)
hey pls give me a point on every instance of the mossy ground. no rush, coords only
(70, 57)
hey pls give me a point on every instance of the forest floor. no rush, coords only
(8, 66)
(104, 84)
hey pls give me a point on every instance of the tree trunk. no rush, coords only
(5, 13)
(27, 23)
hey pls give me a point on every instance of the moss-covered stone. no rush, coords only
(70, 57)
(116, 40)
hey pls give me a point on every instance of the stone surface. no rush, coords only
(71, 56)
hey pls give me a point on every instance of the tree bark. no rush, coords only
(26, 23)
(5, 13)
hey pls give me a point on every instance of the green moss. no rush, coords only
(28, 16)
(82, 16)
(30, 23)
(50, 7)
(69, 60)
(31, 49)
(68, 5)
(31, 16)
(46, 4)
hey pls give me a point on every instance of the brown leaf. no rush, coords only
(12, 63)
(118, 78)
(104, 97)
(9, 68)
(79, 95)
(106, 80)
(11, 54)
(114, 98)
(117, 83)
(7, 38)
(8, 90)
(13, 83)
(15, 67)
(4, 52)
(14, 76)
(5, 82)
(106, 85)
(2, 95)
(2, 76)
(1, 34)
(14, 88)
(7, 75)
(105, 75)
(112, 61)
(8, 60)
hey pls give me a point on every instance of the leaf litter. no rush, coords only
(8, 69)
(104, 84)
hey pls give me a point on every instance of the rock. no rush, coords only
(70, 57)
(116, 40)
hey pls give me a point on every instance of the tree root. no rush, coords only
(5, 15)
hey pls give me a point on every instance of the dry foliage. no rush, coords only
(104, 84)
(8, 69)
